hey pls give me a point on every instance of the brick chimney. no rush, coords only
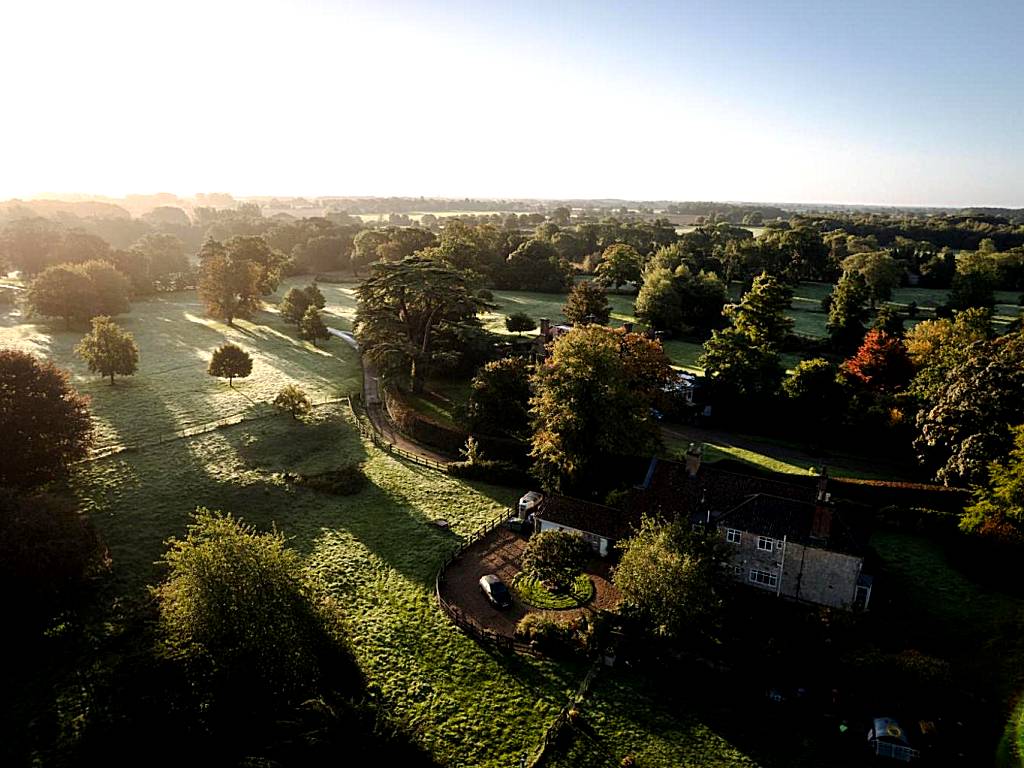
(694, 454)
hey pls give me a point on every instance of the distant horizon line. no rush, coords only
(68, 196)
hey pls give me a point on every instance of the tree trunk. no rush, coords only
(111, 379)
(415, 379)
(231, 382)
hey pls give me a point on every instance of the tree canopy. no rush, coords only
(108, 349)
(499, 398)
(403, 310)
(555, 558)
(240, 610)
(672, 578)
(520, 322)
(294, 400)
(620, 265)
(535, 266)
(587, 303)
(46, 424)
(998, 508)
(592, 402)
(881, 363)
(311, 326)
(230, 362)
(743, 359)
(79, 291)
(967, 426)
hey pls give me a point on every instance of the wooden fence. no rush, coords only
(368, 430)
(456, 614)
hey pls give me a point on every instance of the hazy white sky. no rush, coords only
(785, 101)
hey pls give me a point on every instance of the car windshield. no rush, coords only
(498, 590)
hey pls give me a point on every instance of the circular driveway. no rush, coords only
(500, 552)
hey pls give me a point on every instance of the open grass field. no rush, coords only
(809, 319)
(376, 550)
(171, 390)
(628, 719)
(953, 616)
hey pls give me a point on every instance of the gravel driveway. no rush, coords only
(500, 552)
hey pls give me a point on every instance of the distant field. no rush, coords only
(172, 390)
(809, 319)
(383, 217)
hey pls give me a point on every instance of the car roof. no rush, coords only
(490, 579)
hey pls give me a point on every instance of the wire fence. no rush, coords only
(200, 429)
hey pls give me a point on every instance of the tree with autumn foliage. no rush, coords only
(592, 403)
(881, 364)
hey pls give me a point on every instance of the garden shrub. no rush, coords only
(554, 638)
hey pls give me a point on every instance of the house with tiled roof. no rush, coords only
(787, 537)
(599, 525)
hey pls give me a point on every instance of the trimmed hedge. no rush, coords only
(496, 472)
(891, 493)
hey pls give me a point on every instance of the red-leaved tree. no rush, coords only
(881, 364)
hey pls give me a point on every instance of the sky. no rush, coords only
(894, 102)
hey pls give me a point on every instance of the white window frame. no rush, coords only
(737, 571)
(766, 543)
(733, 535)
(763, 578)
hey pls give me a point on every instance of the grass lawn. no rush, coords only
(533, 592)
(938, 609)
(838, 465)
(627, 718)
(376, 550)
(171, 390)
(443, 400)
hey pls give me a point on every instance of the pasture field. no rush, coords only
(171, 390)
(376, 551)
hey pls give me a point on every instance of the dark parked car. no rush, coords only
(495, 591)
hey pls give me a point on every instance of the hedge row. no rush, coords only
(891, 493)
(422, 429)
